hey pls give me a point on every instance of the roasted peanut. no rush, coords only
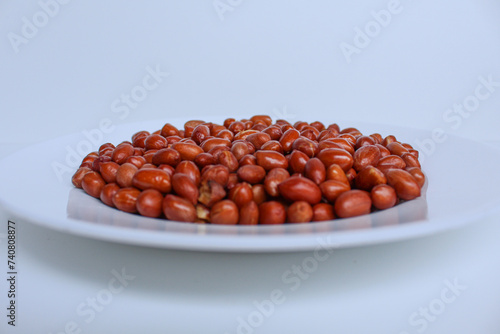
(306, 145)
(404, 183)
(274, 177)
(166, 156)
(297, 161)
(392, 160)
(272, 213)
(217, 173)
(383, 196)
(331, 189)
(249, 214)
(186, 150)
(365, 156)
(190, 169)
(210, 192)
(155, 142)
(369, 177)
(396, 148)
(78, 176)
(108, 171)
(149, 203)
(178, 209)
(337, 156)
(334, 172)
(258, 139)
(251, 173)
(122, 152)
(125, 199)
(417, 174)
(410, 160)
(315, 170)
(152, 179)
(259, 193)
(226, 158)
(224, 212)
(169, 130)
(300, 189)
(322, 212)
(184, 186)
(287, 139)
(353, 203)
(299, 212)
(270, 159)
(108, 192)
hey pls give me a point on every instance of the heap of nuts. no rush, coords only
(252, 171)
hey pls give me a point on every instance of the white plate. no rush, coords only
(460, 190)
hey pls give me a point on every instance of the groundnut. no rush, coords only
(299, 212)
(274, 132)
(149, 203)
(396, 148)
(204, 159)
(166, 156)
(344, 143)
(368, 178)
(410, 160)
(349, 137)
(190, 169)
(178, 209)
(274, 177)
(92, 183)
(108, 171)
(232, 180)
(103, 147)
(152, 179)
(365, 156)
(309, 133)
(377, 137)
(186, 150)
(122, 152)
(200, 133)
(251, 173)
(217, 173)
(383, 196)
(315, 170)
(297, 161)
(353, 203)
(389, 139)
(224, 212)
(241, 194)
(414, 152)
(210, 143)
(392, 160)
(271, 159)
(155, 142)
(248, 160)
(334, 172)
(78, 176)
(210, 192)
(239, 150)
(417, 174)
(202, 213)
(226, 158)
(322, 212)
(364, 140)
(272, 213)
(137, 161)
(272, 145)
(258, 139)
(249, 214)
(306, 145)
(108, 192)
(332, 189)
(125, 199)
(148, 156)
(351, 175)
(404, 183)
(328, 144)
(244, 134)
(184, 186)
(259, 193)
(287, 139)
(383, 151)
(236, 127)
(96, 164)
(334, 127)
(337, 156)
(262, 118)
(169, 130)
(167, 168)
(300, 189)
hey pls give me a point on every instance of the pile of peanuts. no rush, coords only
(252, 171)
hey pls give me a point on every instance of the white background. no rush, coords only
(281, 58)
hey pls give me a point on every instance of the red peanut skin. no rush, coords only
(300, 189)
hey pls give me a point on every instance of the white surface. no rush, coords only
(443, 205)
(263, 57)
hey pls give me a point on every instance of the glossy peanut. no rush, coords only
(335, 172)
(232, 180)
(299, 212)
(300, 189)
(248, 159)
(392, 160)
(383, 196)
(178, 209)
(315, 170)
(258, 139)
(239, 150)
(322, 212)
(364, 140)
(217, 173)
(397, 148)
(273, 178)
(383, 151)
(108, 192)
(365, 156)
(274, 132)
(262, 118)
(190, 169)
(251, 173)
(210, 143)
(249, 214)
(337, 156)
(404, 183)
(204, 159)
(241, 194)
(297, 161)
(272, 213)
(259, 193)
(287, 139)
(166, 156)
(226, 158)
(155, 142)
(124, 174)
(410, 160)
(306, 145)
(200, 133)
(78, 176)
(270, 159)
(368, 178)
(353, 203)
(108, 171)
(417, 174)
(125, 199)
(184, 187)
(332, 189)
(187, 151)
(169, 130)
(149, 203)
(224, 212)
(122, 152)
(273, 145)
(152, 179)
